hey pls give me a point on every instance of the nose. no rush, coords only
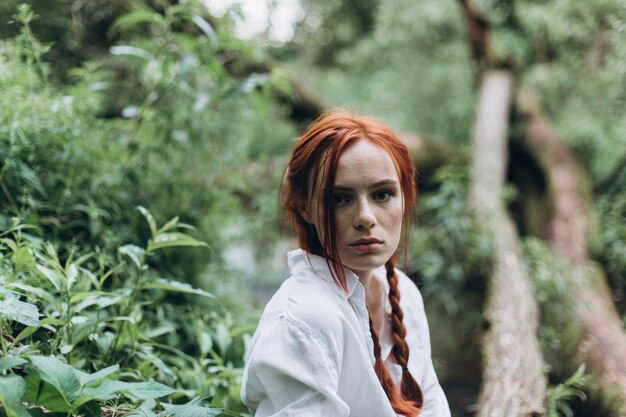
(364, 217)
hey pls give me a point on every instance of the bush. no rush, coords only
(115, 336)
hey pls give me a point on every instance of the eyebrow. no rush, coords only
(389, 182)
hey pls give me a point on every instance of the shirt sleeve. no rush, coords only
(291, 372)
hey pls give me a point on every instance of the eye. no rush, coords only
(341, 199)
(383, 195)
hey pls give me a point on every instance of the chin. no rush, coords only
(367, 261)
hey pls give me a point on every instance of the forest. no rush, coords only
(142, 148)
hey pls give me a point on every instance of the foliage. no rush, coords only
(333, 26)
(582, 80)
(51, 174)
(111, 329)
(400, 69)
(124, 103)
(450, 253)
(559, 395)
(550, 286)
(185, 135)
(414, 69)
(161, 122)
(609, 243)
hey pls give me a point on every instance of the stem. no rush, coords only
(68, 323)
(7, 193)
(2, 341)
(36, 53)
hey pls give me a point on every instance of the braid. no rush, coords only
(398, 401)
(400, 351)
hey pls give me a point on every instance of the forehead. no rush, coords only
(364, 162)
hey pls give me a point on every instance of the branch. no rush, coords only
(478, 33)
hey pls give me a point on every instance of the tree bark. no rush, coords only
(602, 340)
(513, 381)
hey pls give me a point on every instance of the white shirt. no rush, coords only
(312, 353)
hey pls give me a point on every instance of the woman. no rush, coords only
(346, 333)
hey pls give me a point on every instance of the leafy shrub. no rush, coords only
(450, 253)
(550, 287)
(559, 395)
(112, 327)
(609, 243)
(182, 133)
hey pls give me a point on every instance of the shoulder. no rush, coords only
(409, 292)
(305, 303)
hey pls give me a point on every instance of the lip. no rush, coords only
(369, 244)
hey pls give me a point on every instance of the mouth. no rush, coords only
(369, 244)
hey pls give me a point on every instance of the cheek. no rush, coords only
(395, 217)
(343, 223)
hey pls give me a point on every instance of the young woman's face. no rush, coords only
(368, 207)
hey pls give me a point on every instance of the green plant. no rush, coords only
(111, 317)
(550, 286)
(450, 253)
(559, 395)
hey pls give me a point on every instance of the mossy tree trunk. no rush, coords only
(600, 340)
(513, 381)
(514, 384)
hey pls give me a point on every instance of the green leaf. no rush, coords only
(100, 299)
(172, 224)
(51, 321)
(175, 286)
(11, 361)
(10, 243)
(167, 374)
(58, 374)
(130, 19)
(28, 289)
(72, 274)
(167, 240)
(135, 253)
(194, 408)
(150, 219)
(44, 394)
(52, 276)
(207, 29)
(88, 379)
(146, 409)
(90, 409)
(12, 389)
(132, 51)
(139, 390)
(19, 311)
(24, 334)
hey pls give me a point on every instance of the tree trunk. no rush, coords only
(513, 381)
(602, 340)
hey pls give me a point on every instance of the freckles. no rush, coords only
(396, 214)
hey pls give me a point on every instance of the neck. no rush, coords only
(365, 278)
(374, 296)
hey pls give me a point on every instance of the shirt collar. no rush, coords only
(300, 260)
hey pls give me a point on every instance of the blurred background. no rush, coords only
(189, 110)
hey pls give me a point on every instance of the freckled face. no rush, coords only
(368, 207)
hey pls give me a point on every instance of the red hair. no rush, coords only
(314, 162)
